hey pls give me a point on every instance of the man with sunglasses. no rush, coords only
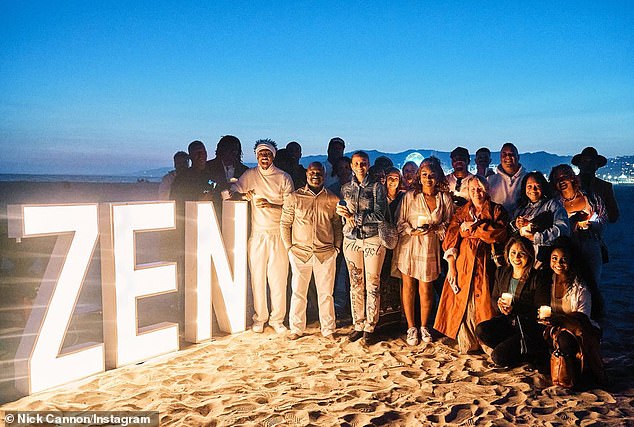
(460, 162)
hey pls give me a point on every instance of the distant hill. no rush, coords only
(541, 160)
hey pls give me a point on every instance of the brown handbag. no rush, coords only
(565, 369)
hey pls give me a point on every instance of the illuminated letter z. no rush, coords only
(39, 364)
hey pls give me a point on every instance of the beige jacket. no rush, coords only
(309, 225)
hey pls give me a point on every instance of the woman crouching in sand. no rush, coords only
(466, 298)
(519, 290)
(573, 339)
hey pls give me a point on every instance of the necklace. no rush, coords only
(570, 199)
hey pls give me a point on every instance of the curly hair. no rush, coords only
(565, 170)
(434, 165)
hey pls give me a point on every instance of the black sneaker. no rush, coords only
(355, 335)
(370, 338)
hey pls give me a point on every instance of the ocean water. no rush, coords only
(618, 275)
(78, 178)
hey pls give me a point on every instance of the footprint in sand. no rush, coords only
(459, 414)
(356, 420)
(386, 418)
(363, 408)
(295, 419)
(241, 407)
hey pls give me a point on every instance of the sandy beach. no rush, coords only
(266, 379)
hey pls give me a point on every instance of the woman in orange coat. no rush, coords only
(466, 297)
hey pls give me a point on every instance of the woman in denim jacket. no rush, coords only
(363, 207)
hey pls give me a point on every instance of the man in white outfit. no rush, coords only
(266, 187)
(506, 183)
(311, 232)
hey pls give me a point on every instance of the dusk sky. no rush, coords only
(113, 86)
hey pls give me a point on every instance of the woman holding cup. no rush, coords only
(423, 218)
(539, 217)
(588, 218)
(514, 334)
(570, 329)
(466, 297)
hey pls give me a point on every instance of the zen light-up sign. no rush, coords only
(215, 269)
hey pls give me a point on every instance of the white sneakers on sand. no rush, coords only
(412, 336)
(425, 336)
(278, 327)
(258, 327)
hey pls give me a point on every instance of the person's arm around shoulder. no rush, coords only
(240, 189)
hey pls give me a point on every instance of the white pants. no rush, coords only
(365, 259)
(268, 259)
(324, 282)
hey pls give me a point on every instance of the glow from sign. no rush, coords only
(215, 266)
(39, 364)
(208, 269)
(124, 282)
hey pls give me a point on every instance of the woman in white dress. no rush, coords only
(423, 217)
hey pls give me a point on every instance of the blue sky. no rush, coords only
(110, 87)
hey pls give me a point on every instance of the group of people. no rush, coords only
(502, 242)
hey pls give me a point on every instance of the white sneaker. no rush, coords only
(279, 328)
(425, 336)
(412, 336)
(258, 327)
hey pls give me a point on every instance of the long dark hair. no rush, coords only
(547, 191)
(527, 246)
(565, 170)
(575, 268)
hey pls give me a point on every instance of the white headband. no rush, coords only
(265, 146)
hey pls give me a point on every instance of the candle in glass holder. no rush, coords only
(421, 220)
(507, 298)
(544, 312)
